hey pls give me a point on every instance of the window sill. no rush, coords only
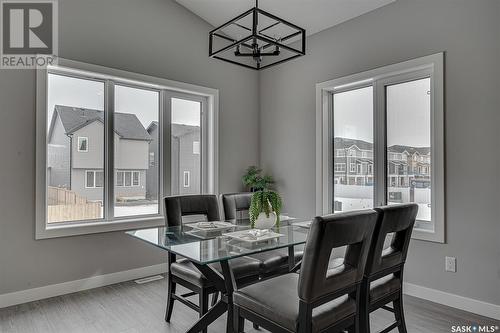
(68, 230)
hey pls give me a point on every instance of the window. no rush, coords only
(136, 178)
(120, 176)
(136, 118)
(118, 182)
(340, 167)
(186, 178)
(83, 144)
(90, 177)
(196, 147)
(94, 179)
(395, 115)
(186, 134)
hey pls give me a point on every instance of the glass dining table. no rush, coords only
(220, 244)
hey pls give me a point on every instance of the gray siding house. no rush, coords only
(75, 158)
(186, 160)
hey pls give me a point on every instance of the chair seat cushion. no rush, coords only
(277, 300)
(242, 267)
(276, 259)
(383, 287)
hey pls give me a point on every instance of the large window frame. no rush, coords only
(111, 77)
(432, 67)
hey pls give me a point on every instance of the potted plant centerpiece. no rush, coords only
(265, 207)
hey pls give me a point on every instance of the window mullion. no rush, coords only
(165, 144)
(379, 151)
(109, 189)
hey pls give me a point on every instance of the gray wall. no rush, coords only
(469, 33)
(154, 37)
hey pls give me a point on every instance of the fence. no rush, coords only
(65, 205)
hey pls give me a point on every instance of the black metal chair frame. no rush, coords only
(207, 314)
(396, 297)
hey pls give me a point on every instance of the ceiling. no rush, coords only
(312, 15)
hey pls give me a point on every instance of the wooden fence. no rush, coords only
(65, 205)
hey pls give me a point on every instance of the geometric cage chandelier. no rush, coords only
(257, 39)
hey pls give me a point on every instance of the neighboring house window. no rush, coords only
(352, 167)
(407, 117)
(83, 144)
(196, 147)
(94, 179)
(128, 178)
(120, 178)
(126, 143)
(89, 179)
(186, 178)
(340, 167)
(136, 178)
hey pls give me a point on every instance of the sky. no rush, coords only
(408, 105)
(143, 103)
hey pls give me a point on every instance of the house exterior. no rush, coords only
(75, 156)
(185, 160)
(407, 166)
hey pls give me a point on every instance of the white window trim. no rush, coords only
(81, 138)
(210, 164)
(324, 176)
(188, 183)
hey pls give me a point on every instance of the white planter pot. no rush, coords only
(264, 222)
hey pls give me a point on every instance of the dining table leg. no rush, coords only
(225, 283)
(291, 258)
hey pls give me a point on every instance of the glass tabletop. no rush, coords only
(205, 244)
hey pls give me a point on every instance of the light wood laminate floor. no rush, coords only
(129, 307)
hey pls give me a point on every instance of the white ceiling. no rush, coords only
(312, 15)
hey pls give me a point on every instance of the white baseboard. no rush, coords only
(455, 301)
(29, 295)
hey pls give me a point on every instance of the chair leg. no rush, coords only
(171, 286)
(363, 315)
(203, 304)
(239, 322)
(399, 314)
(215, 298)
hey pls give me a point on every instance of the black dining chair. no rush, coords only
(318, 299)
(182, 271)
(383, 278)
(272, 262)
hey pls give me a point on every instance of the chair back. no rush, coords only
(353, 229)
(178, 206)
(234, 203)
(398, 219)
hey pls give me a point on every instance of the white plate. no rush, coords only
(254, 235)
(211, 226)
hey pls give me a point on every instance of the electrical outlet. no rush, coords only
(450, 264)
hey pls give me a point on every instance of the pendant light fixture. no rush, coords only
(257, 39)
